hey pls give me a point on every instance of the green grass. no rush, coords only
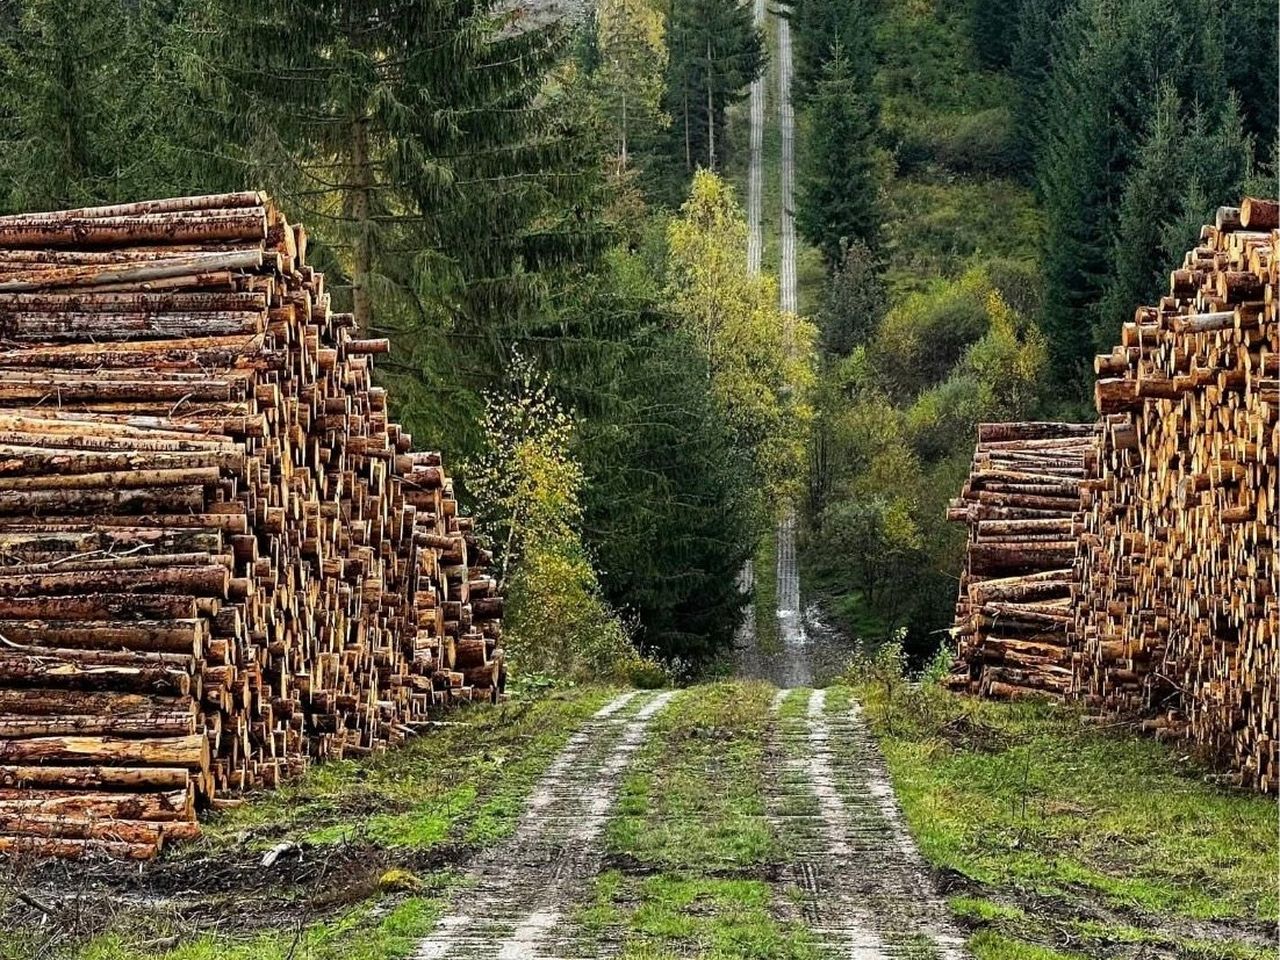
(826, 580)
(691, 831)
(381, 930)
(670, 917)
(462, 782)
(693, 798)
(991, 945)
(1044, 814)
(765, 600)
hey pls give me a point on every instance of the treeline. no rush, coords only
(510, 199)
(994, 185)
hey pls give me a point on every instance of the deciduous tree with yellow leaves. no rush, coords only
(760, 358)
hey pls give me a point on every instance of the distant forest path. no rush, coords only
(789, 665)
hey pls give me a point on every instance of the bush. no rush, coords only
(557, 623)
(920, 340)
(979, 143)
(983, 142)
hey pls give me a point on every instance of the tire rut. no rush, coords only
(514, 903)
(862, 885)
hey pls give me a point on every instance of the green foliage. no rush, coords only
(68, 95)
(921, 339)
(854, 300)
(998, 377)
(759, 358)
(993, 28)
(670, 509)
(1096, 103)
(628, 80)
(940, 227)
(879, 543)
(1025, 795)
(1186, 166)
(893, 439)
(527, 488)
(715, 53)
(823, 29)
(1251, 50)
(837, 200)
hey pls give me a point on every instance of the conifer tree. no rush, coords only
(67, 97)
(1030, 62)
(715, 52)
(819, 27)
(628, 79)
(1250, 57)
(1095, 108)
(1189, 163)
(670, 512)
(428, 151)
(993, 31)
(837, 201)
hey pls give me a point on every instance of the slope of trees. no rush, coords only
(838, 201)
(481, 189)
(1049, 157)
(715, 52)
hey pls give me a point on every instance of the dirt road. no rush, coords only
(845, 857)
(859, 879)
(519, 903)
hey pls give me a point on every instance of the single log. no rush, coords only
(185, 751)
(94, 778)
(162, 807)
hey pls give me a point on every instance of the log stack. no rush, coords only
(1182, 626)
(221, 558)
(1175, 622)
(1021, 504)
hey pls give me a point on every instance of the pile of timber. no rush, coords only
(1181, 624)
(1021, 504)
(221, 558)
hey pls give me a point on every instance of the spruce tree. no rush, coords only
(715, 52)
(669, 514)
(627, 80)
(69, 102)
(1250, 58)
(1095, 109)
(421, 142)
(837, 202)
(993, 31)
(818, 28)
(1030, 62)
(1189, 163)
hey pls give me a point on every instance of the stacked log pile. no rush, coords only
(1181, 621)
(1021, 504)
(221, 558)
